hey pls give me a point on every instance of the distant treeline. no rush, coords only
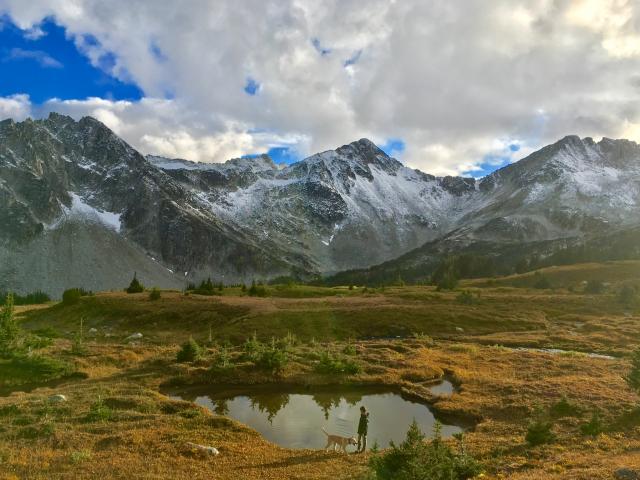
(429, 265)
(33, 298)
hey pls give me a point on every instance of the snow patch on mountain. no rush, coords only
(81, 210)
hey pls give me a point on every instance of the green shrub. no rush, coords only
(539, 431)
(47, 332)
(222, 360)
(36, 342)
(252, 348)
(71, 296)
(349, 349)
(154, 294)
(80, 456)
(329, 364)
(99, 412)
(564, 408)
(594, 427)
(40, 368)
(135, 286)
(33, 298)
(273, 358)
(633, 378)
(628, 295)
(206, 287)
(9, 329)
(189, 352)
(466, 298)
(541, 282)
(257, 290)
(594, 287)
(11, 410)
(416, 459)
(446, 275)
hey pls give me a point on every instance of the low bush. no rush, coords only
(349, 349)
(633, 377)
(252, 348)
(154, 294)
(539, 431)
(221, 360)
(541, 282)
(99, 412)
(594, 287)
(71, 296)
(272, 358)
(257, 290)
(36, 368)
(330, 364)
(135, 286)
(628, 295)
(206, 287)
(33, 298)
(466, 298)
(189, 352)
(417, 459)
(565, 408)
(593, 427)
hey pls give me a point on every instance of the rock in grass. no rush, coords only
(135, 336)
(57, 398)
(626, 474)
(203, 449)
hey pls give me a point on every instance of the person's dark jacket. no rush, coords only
(363, 424)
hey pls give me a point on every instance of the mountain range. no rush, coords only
(80, 207)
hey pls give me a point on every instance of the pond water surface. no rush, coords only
(295, 420)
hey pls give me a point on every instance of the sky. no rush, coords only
(447, 86)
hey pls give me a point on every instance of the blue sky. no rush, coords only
(52, 67)
(49, 65)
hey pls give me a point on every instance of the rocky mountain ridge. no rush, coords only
(73, 195)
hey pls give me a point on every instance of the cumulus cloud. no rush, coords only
(458, 82)
(17, 107)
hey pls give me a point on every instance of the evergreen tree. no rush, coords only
(633, 378)
(135, 286)
(9, 329)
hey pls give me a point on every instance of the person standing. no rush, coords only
(363, 428)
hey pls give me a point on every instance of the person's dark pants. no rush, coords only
(362, 442)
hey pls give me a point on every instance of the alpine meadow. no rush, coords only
(320, 240)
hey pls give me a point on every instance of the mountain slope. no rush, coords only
(572, 196)
(57, 170)
(346, 208)
(74, 190)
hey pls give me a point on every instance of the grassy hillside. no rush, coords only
(117, 420)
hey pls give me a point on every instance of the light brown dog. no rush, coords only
(336, 442)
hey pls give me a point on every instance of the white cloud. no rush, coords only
(17, 107)
(44, 59)
(457, 81)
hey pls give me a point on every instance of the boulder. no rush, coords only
(626, 474)
(57, 398)
(202, 449)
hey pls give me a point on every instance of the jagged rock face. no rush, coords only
(58, 171)
(347, 208)
(250, 218)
